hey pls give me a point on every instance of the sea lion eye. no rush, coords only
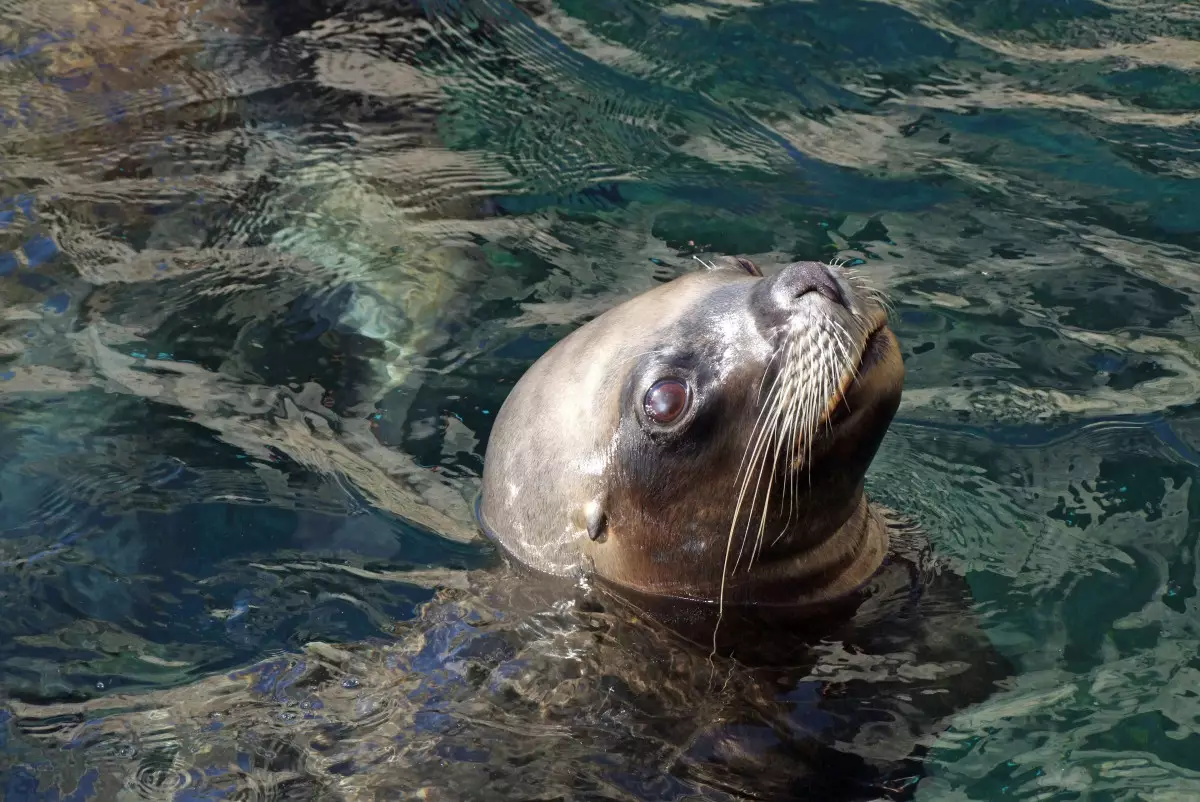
(666, 400)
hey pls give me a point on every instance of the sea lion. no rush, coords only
(706, 441)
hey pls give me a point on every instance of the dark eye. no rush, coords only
(666, 400)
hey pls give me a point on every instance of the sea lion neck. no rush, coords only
(806, 569)
(828, 568)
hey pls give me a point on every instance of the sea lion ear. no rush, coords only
(738, 263)
(595, 520)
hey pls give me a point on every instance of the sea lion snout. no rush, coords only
(782, 293)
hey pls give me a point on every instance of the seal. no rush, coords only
(706, 440)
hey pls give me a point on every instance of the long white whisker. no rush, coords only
(725, 572)
(782, 444)
(759, 456)
(814, 369)
(756, 437)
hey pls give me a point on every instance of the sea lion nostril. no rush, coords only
(800, 278)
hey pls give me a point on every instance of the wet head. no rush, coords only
(705, 440)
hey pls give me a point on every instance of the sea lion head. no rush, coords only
(707, 440)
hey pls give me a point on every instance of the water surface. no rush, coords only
(267, 272)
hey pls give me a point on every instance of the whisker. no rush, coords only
(760, 450)
(756, 438)
(794, 405)
(779, 447)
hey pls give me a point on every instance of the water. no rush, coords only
(267, 271)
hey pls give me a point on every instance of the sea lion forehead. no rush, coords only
(698, 321)
(689, 295)
(706, 306)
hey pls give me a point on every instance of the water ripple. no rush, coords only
(266, 274)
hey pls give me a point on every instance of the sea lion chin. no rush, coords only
(706, 440)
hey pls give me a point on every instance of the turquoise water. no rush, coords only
(267, 272)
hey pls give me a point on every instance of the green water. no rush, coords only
(267, 272)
